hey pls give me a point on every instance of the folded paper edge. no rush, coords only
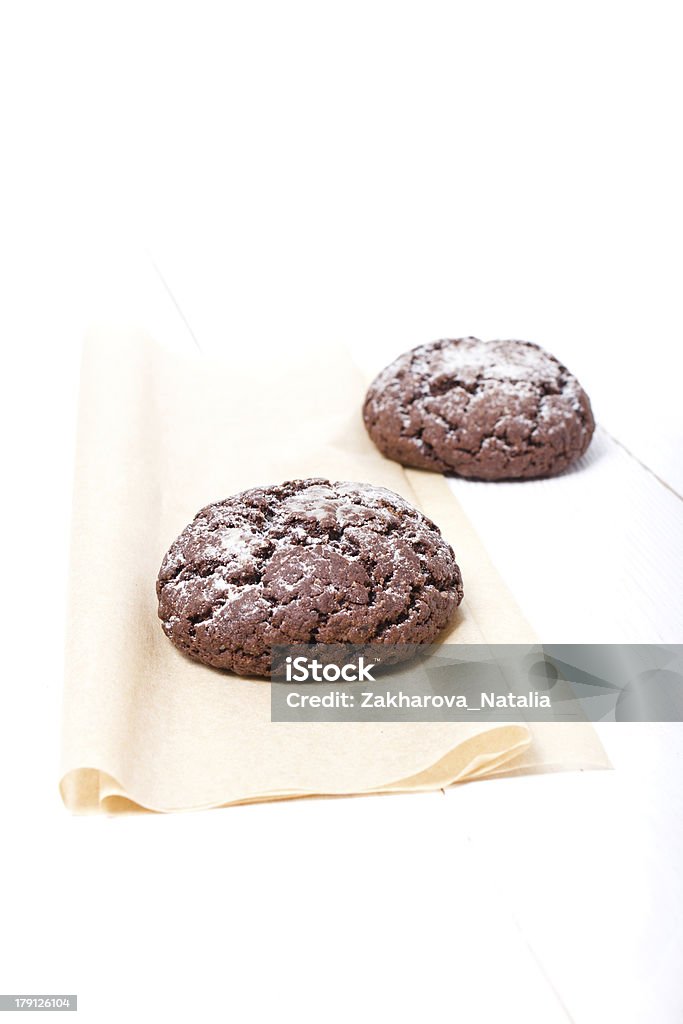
(89, 790)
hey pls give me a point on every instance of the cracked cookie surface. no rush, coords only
(307, 561)
(496, 410)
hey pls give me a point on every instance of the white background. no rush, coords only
(377, 174)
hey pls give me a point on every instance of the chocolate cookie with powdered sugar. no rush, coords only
(305, 562)
(497, 410)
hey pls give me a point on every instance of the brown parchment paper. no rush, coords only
(144, 728)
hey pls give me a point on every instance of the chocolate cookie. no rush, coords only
(308, 561)
(496, 410)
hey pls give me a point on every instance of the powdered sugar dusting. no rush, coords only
(316, 502)
(507, 362)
